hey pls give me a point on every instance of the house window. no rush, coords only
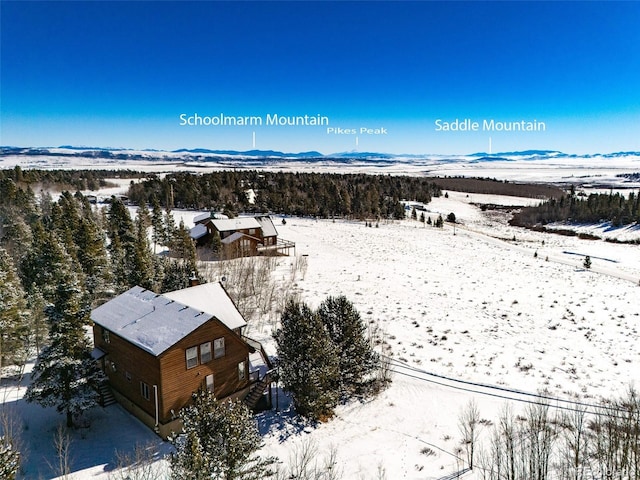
(252, 231)
(105, 335)
(218, 347)
(241, 371)
(205, 352)
(127, 375)
(209, 382)
(192, 357)
(144, 391)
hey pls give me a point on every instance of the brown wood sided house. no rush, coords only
(242, 236)
(156, 350)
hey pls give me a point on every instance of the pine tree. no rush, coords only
(176, 275)
(14, 315)
(123, 246)
(308, 361)
(216, 241)
(349, 335)
(143, 215)
(9, 459)
(218, 441)
(157, 223)
(38, 328)
(169, 227)
(183, 246)
(142, 264)
(65, 375)
(93, 258)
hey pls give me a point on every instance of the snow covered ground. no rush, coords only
(552, 168)
(476, 306)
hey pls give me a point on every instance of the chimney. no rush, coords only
(193, 280)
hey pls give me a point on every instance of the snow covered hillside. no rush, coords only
(476, 305)
(470, 306)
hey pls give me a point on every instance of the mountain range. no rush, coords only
(204, 154)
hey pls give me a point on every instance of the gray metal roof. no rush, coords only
(156, 322)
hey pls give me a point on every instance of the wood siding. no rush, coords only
(178, 382)
(127, 358)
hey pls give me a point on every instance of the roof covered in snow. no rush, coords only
(212, 299)
(156, 322)
(237, 236)
(240, 223)
(198, 231)
(202, 217)
(268, 228)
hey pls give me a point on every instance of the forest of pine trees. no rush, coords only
(58, 260)
(309, 194)
(596, 208)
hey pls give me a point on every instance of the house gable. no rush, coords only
(179, 380)
(145, 337)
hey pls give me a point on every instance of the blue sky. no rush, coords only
(119, 74)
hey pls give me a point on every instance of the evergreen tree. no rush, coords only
(143, 215)
(439, 223)
(93, 258)
(9, 459)
(414, 213)
(169, 227)
(124, 246)
(422, 217)
(309, 362)
(216, 241)
(218, 441)
(65, 375)
(38, 328)
(14, 315)
(176, 275)
(183, 246)
(15, 233)
(142, 264)
(158, 234)
(41, 266)
(349, 335)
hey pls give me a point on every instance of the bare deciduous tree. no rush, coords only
(468, 423)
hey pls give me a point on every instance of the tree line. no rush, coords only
(64, 179)
(308, 194)
(58, 260)
(492, 186)
(596, 208)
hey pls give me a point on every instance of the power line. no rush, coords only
(403, 365)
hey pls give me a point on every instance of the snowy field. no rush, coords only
(469, 304)
(594, 170)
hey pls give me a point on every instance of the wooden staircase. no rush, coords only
(256, 392)
(106, 395)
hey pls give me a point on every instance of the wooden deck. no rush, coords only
(282, 247)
